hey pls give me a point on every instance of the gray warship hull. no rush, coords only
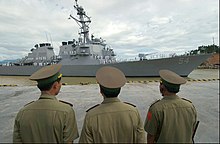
(182, 65)
(83, 57)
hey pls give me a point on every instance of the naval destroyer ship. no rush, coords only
(84, 56)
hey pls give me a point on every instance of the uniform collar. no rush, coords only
(47, 96)
(171, 97)
(110, 100)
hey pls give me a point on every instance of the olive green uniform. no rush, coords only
(113, 122)
(171, 120)
(46, 120)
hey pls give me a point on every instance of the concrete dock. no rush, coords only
(203, 94)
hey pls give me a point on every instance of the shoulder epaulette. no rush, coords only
(28, 103)
(154, 102)
(186, 100)
(66, 102)
(92, 107)
(130, 104)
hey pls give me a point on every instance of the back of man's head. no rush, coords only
(110, 80)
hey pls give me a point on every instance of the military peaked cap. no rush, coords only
(47, 74)
(110, 77)
(171, 77)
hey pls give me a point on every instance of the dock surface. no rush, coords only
(203, 94)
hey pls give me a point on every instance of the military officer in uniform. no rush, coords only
(171, 119)
(46, 120)
(112, 121)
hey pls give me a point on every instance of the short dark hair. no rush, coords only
(172, 90)
(47, 86)
(110, 92)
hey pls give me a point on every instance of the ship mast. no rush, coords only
(213, 40)
(83, 22)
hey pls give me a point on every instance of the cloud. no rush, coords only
(130, 27)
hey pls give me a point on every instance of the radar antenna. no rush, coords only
(83, 22)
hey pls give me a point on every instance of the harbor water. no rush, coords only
(203, 94)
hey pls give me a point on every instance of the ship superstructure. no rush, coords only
(41, 54)
(86, 54)
(85, 50)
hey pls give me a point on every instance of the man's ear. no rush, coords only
(55, 85)
(100, 90)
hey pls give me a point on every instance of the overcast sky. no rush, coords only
(128, 26)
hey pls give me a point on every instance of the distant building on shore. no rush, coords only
(212, 62)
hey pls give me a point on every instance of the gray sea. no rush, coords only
(203, 94)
